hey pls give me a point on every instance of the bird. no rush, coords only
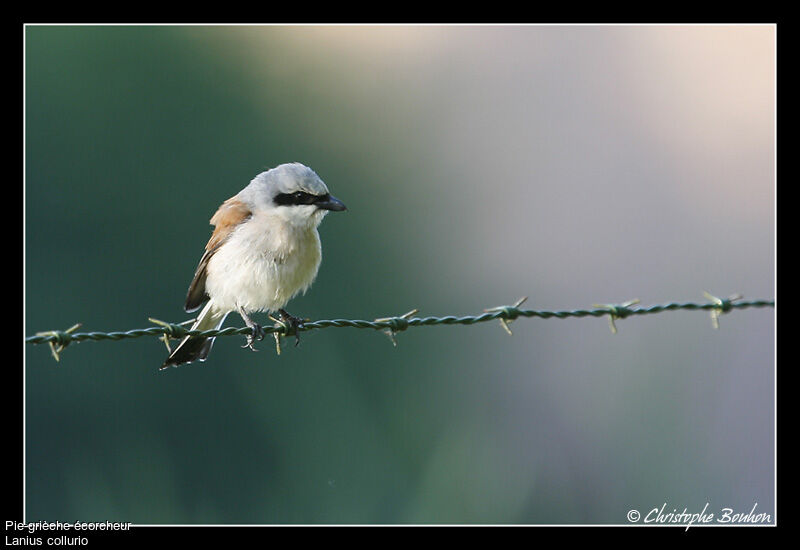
(263, 251)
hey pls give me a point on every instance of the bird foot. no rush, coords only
(293, 324)
(257, 334)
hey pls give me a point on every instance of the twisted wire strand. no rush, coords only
(397, 324)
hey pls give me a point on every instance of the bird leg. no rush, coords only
(258, 332)
(293, 323)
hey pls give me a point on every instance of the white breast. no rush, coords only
(262, 265)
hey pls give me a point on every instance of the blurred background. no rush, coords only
(574, 165)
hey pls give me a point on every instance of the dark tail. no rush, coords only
(193, 348)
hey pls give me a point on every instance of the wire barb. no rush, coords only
(509, 313)
(396, 324)
(60, 339)
(618, 311)
(171, 330)
(277, 335)
(722, 306)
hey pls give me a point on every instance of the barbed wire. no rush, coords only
(58, 340)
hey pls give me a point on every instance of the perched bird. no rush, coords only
(265, 248)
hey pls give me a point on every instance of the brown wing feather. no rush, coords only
(232, 213)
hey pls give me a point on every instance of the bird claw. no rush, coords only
(257, 335)
(294, 324)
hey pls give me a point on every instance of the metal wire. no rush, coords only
(59, 340)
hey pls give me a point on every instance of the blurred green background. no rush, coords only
(574, 165)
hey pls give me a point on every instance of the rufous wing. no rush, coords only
(227, 218)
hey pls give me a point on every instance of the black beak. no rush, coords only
(331, 203)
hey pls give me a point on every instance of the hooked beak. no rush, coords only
(331, 203)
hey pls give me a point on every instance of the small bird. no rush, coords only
(265, 249)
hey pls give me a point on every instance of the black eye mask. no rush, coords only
(298, 198)
(323, 202)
